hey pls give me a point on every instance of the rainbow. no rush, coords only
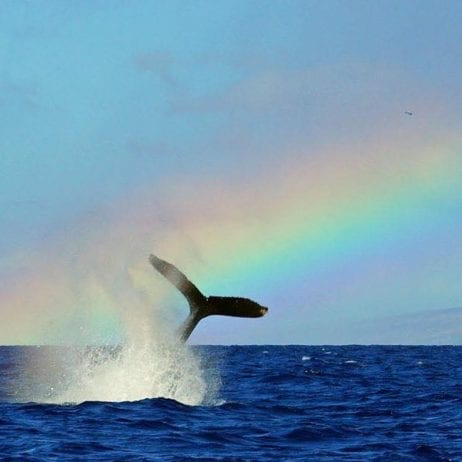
(301, 221)
(310, 218)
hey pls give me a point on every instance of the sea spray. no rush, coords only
(136, 371)
(150, 363)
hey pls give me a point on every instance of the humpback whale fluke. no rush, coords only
(201, 306)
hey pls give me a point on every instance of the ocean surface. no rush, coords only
(233, 403)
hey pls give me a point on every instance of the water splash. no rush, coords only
(136, 372)
(151, 363)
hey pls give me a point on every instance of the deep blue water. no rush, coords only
(298, 403)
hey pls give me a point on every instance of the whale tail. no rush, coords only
(201, 306)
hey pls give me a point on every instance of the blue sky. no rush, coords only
(99, 100)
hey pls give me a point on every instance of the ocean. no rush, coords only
(233, 403)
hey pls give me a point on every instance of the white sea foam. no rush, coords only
(306, 358)
(152, 363)
(136, 372)
(351, 361)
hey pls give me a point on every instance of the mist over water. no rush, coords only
(150, 363)
(136, 372)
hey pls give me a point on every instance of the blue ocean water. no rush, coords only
(297, 403)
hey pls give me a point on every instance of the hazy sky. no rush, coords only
(263, 147)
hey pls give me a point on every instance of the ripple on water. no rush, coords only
(384, 406)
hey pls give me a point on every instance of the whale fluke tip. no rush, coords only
(153, 259)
